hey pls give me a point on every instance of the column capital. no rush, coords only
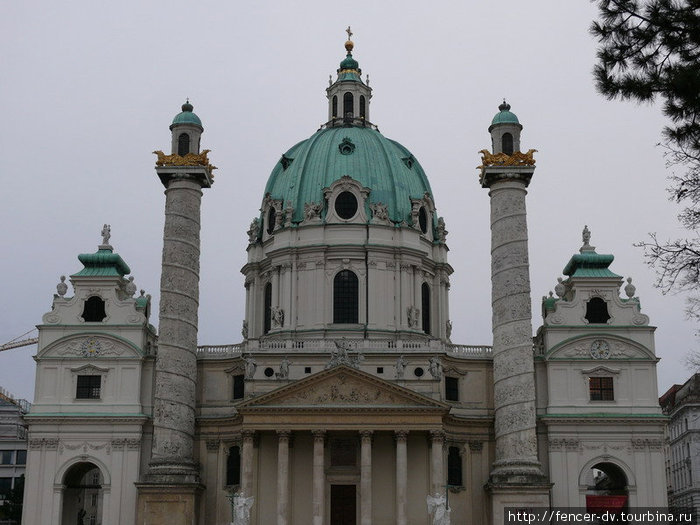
(212, 444)
(248, 434)
(319, 435)
(476, 446)
(400, 435)
(366, 435)
(437, 436)
(284, 435)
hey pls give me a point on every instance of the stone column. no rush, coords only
(172, 458)
(282, 477)
(437, 473)
(247, 462)
(513, 367)
(366, 477)
(401, 476)
(319, 478)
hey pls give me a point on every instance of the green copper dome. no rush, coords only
(187, 116)
(389, 170)
(504, 116)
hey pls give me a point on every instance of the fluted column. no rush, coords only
(437, 473)
(401, 476)
(366, 477)
(176, 364)
(319, 478)
(247, 462)
(513, 367)
(282, 477)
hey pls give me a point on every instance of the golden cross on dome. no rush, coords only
(349, 32)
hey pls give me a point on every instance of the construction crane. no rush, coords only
(17, 342)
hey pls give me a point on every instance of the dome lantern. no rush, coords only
(348, 96)
(505, 131)
(186, 131)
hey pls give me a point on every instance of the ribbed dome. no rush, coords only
(505, 116)
(384, 166)
(187, 116)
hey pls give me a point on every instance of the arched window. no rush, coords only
(183, 144)
(425, 306)
(363, 109)
(597, 311)
(268, 308)
(507, 143)
(345, 298)
(454, 467)
(271, 219)
(347, 105)
(233, 466)
(94, 310)
(334, 111)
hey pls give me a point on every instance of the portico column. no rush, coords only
(437, 481)
(247, 462)
(319, 480)
(282, 476)
(366, 478)
(401, 476)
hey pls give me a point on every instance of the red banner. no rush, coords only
(603, 503)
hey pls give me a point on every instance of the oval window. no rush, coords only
(346, 205)
(271, 220)
(423, 220)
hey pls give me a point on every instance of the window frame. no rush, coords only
(597, 390)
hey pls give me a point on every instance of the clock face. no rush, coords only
(600, 349)
(90, 347)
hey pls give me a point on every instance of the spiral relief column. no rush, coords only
(507, 173)
(172, 475)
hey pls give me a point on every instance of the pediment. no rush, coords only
(92, 346)
(600, 347)
(343, 387)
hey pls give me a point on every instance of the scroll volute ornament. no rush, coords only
(191, 159)
(517, 158)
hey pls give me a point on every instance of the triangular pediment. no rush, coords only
(342, 387)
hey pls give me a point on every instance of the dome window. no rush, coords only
(597, 311)
(425, 304)
(346, 205)
(363, 109)
(285, 161)
(183, 144)
(348, 101)
(346, 147)
(423, 220)
(335, 107)
(271, 215)
(507, 143)
(408, 161)
(345, 298)
(267, 306)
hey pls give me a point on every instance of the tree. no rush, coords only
(11, 508)
(649, 50)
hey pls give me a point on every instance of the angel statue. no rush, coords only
(241, 509)
(437, 508)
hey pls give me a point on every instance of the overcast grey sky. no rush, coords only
(89, 89)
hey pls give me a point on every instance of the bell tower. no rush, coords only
(348, 96)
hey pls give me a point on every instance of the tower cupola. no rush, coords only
(348, 96)
(187, 130)
(505, 131)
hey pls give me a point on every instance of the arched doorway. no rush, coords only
(607, 488)
(82, 495)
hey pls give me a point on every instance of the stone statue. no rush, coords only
(106, 234)
(586, 236)
(560, 289)
(241, 509)
(413, 316)
(630, 289)
(379, 212)
(312, 211)
(130, 287)
(244, 330)
(441, 231)
(288, 213)
(448, 329)
(437, 509)
(284, 369)
(254, 230)
(435, 367)
(62, 287)
(400, 367)
(250, 366)
(277, 315)
(341, 355)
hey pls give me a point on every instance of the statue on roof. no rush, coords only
(106, 234)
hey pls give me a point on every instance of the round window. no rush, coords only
(271, 215)
(346, 205)
(423, 220)
(419, 371)
(269, 372)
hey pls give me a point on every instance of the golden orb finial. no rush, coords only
(349, 44)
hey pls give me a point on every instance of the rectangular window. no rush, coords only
(6, 457)
(238, 386)
(5, 487)
(601, 388)
(88, 387)
(21, 457)
(233, 466)
(451, 388)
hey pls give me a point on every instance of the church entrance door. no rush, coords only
(343, 505)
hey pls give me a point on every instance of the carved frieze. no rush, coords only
(89, 347)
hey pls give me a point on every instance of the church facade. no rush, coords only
(346, 402)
